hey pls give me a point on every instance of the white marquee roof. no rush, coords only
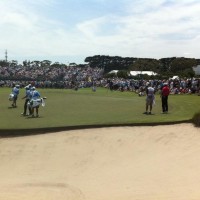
(134, 73)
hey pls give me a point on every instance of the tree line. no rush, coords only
(168, 67)
(165, 66)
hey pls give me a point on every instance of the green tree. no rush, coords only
(122, 74)
(188, 73)
(36, 63)
(110, 75)
(179, 65)
(3, 63)
(45, 63)
(13, 63)
(145, 64)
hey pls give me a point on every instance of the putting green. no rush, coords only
(67, 108)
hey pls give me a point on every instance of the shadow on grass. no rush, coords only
(4, 133)
(11, 107)
(30, 117)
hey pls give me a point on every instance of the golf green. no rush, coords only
(67, 108)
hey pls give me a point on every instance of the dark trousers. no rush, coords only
(25, 107)
(165, 103)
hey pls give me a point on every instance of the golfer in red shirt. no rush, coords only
(164, 95)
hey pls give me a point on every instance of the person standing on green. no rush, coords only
(164, 97)
(15, 92)
(150, 98)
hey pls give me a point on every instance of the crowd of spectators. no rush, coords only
(80, 77)
(177, 86)
(49, 77)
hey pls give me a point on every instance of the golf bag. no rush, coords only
(11, 97)
(33, 103)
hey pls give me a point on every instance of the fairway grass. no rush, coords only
(66, 108)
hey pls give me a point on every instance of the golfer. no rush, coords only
(149, 98)
(164, 97)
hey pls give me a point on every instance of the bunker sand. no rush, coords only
(152, 162)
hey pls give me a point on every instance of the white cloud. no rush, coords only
(155, 29)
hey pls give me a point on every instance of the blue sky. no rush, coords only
(70, 30)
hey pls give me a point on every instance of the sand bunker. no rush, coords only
(160, 162)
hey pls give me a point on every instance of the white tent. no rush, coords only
(113, 72)
(135, 73)
(175, 77)
(150, 73)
